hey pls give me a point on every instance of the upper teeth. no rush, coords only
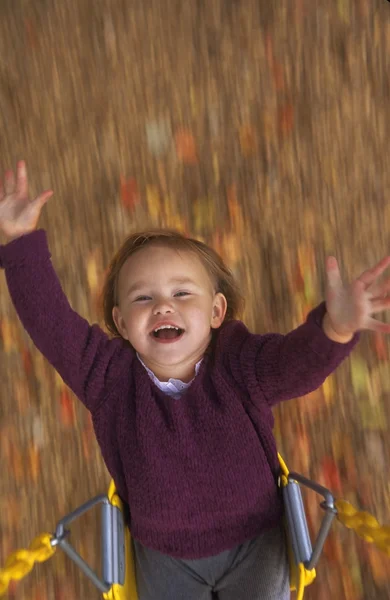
(167, 327)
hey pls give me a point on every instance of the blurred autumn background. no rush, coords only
(261, 127)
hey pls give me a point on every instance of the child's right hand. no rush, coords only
(19, 213)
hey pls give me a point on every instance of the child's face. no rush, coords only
(160, 287)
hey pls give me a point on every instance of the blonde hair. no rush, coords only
(218, 271)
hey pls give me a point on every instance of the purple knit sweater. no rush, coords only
(199, 473)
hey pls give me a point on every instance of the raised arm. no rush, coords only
(288, 366)
(295, 364)
(87, 360)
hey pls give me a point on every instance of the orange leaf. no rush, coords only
(286, 118)
(27, 361)
(235, 212)
(186, 147)
(129, 193)
(17, 463)
(8, 335)
(34, 460)
(380, 346)
(67, 410)
(297, 279)
(330, 475)
(231, 248)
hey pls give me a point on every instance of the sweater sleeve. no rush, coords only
(86, 359)
(288, 366)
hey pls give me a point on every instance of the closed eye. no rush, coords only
(180, 294)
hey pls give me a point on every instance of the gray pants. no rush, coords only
(255, 570)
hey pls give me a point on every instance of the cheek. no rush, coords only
(202, 313)
(135, 316)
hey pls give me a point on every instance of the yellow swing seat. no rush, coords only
(302, 557)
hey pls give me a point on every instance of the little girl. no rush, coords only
(182, 397)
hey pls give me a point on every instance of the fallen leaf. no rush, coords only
(67, 409)
(372, 412)
(359, 374)
(330, 477)
(328, 389)
(216, 168)
(17, 463)
(129, 193)
(27, 361)
(235, 213)
(153, 201)
(186, 147)
(380, 346)
(92, 272)
(8, 335)
(173, 220)
(203, 211)
(310, 289)
(34, 462)
(158, 136)
(231, 249)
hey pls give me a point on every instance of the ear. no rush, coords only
(119, 322)
(219, 310)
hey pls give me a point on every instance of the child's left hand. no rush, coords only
(350, 308)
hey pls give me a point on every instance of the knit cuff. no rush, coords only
(32, 246)
(320, 343)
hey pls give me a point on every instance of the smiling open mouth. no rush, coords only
(167, 332)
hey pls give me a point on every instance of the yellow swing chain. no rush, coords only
(364, 525)
(21, 562)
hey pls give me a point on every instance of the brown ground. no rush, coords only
(262, 127)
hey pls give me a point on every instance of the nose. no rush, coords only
(163, 307)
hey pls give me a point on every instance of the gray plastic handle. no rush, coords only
(113, 543)
(296, 519)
